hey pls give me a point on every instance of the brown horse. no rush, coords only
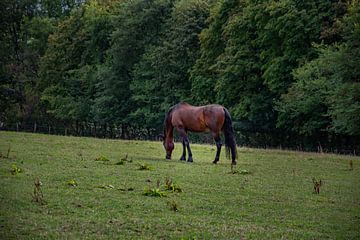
(213, 118)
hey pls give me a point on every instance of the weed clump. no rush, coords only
(317, 185)
(154, 192)
(126, 159)
(242, 172)
(121, 162)
(102, 158)
(72, 183)
(174, 206)
(15, 169)
(159, 192)
(38, 196)
(144, 166)
(170, 186)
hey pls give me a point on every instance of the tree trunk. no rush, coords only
(77, 127)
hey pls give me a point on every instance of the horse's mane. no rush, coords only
(168, 118)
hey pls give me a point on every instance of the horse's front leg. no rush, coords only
(186, 144)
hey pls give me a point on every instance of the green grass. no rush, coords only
(268, 196)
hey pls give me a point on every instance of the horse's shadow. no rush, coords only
(174, 161)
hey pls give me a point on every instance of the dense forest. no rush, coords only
(287, 70)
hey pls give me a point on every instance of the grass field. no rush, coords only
(268, 196)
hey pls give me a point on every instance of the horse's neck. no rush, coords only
(169, 128)
(169, 132)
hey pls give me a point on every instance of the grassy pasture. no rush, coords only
(269, 197)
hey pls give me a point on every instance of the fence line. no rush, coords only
(132, 133)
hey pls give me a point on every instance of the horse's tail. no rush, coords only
(230, 142)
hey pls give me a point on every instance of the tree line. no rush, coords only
(287, 70)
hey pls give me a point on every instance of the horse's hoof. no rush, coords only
(215, 161)
(190, 160)
(234, 162)
(183, 159)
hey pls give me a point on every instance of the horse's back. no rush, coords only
(187, 116)
(198, 118)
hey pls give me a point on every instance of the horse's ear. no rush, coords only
(161, 137)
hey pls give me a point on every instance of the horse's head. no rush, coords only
(169, 147)
(168, 140)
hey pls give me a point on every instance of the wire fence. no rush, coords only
(133, 133)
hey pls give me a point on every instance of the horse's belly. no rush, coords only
(204, 129)
(198, 127)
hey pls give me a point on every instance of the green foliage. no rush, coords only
(325, 96)
(124, 160)
(204, 73)
(69, 67)
(164, 67)
(72, 183)
(144, 166)
(130, 39)
(157, 192)
(344, 109)
(304, 104)
(15, 169)
(249, 52)
(102, 158)
(170, 186)
(25, 31)
(153, 192)
(121, 162)
(242, 171)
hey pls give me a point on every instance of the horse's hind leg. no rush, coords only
(190, 159)
(218, 149)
